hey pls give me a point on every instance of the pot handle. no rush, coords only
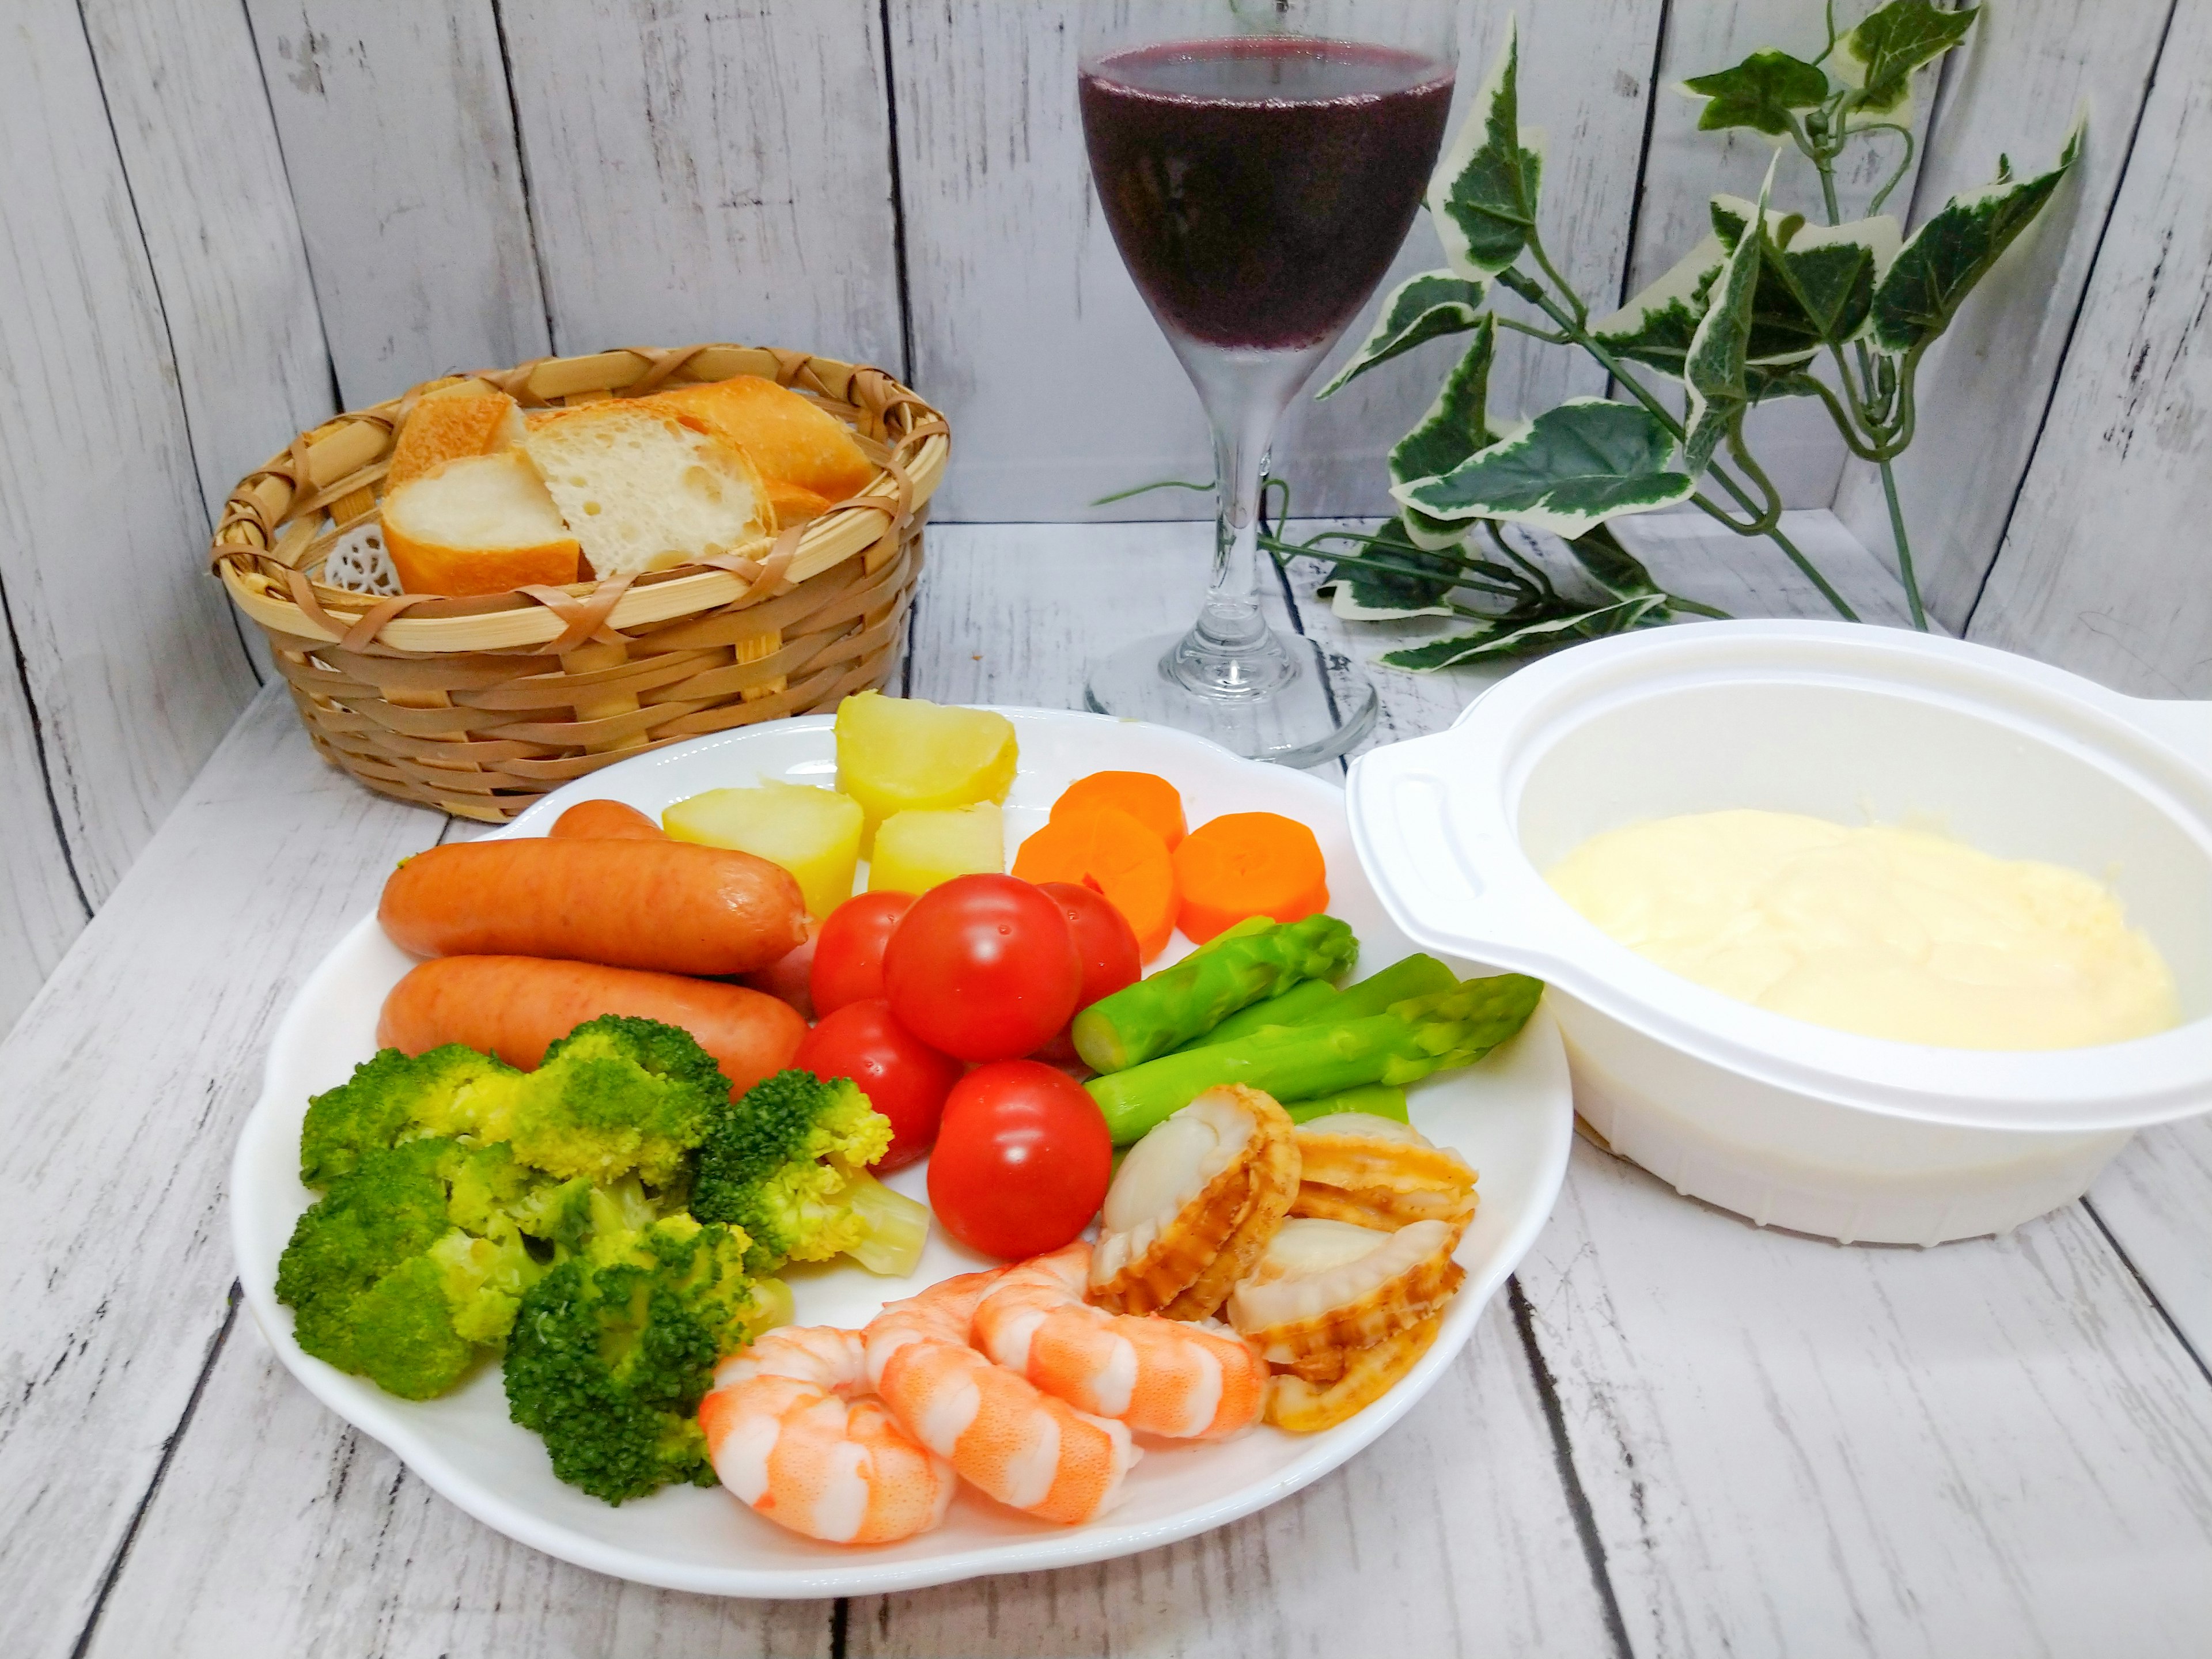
(1425, 861)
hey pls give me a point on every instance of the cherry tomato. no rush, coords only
(983, 967)
(848, 951)
(1106, 947)
(903, 1077)
(1022, 1161)
(789, 976)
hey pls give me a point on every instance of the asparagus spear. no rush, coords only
(1232, 971)
(1412, 1039)
(1306, 1000)
(1310, 999)
(1376, 1099)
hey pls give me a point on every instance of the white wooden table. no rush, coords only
(1675, 1434)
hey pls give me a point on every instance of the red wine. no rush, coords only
(1259, 188)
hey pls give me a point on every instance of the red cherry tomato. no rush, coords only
(789, 977)
(1106, 947)
(983, 967)
(848, 951)
(1022, 1161)
(903, 1077)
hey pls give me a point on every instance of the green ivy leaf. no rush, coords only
(1879, 55)
(1610, 565)
(1358, 594)
(1713, 371)
(1483, 195)
(1457, 423)
(1571, 467)
(1655, 327)
(1509, 638)
(1420, 309)
(1760, 93)
(1764, 380)
(1816, 288)
(1934, 272)
(1432, 535)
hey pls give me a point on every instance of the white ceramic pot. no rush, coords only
(1849, 1137)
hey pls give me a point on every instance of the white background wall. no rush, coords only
(222, 221)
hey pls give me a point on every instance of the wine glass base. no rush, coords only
(1306, 707)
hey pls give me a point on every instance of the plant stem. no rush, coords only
(1904, 548)
(1676, 602)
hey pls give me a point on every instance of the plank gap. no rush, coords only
(898, 208)
(39, 744)
(1643, 165)
(522, 174)
(2151, 1296)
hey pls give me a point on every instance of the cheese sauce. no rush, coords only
(1888, 932)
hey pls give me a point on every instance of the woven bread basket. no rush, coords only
(478, 706)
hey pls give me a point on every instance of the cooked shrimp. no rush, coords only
(1005, 1435)
(1158, 1376)
(791, 1431)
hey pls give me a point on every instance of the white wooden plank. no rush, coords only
(2102, 569)
(279, 1531)
(2156, 1200)
(199, 145)
(1030, 334)
(1991, 1447)
(1450, 1535)
(40, 909)
(712, 173)
(127, 1080)
(2012, 89)
(1685, 169)
(132, 662)
(399, 143)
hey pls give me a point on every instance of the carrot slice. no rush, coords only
(1145, 796)
(1113, 854)
(1249, 863)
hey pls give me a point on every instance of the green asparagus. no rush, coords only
(1307, 1000)
(1406, 1042)
(1310, 1000)
(1146, 1019)
(1376, 1099)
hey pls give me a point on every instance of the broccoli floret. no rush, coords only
(395, 1097)
(618, 1096)
(614, 1348)
(787, 1163)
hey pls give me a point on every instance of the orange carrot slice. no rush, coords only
(1111, 853)
(1248, 864)
(1145, 796)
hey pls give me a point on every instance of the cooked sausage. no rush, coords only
(604, 820)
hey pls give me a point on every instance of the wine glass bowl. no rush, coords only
(1259, 168)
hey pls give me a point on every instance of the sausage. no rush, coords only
(517, 1007)
(671, 907)
(604, 820)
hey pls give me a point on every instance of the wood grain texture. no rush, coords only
(2152, 1198)
(1992, 1447)
(399, 142)
(206, 180)
(1030, 334)
(128, 1080)
(2012, 90)
(714, 171)
(1450, 1535)
(132, 663)
(2100, 571)
(40, 911)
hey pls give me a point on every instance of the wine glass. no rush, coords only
(1259, 162)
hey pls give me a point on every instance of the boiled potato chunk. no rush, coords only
(813, 833)
(917, 849)
(901, 754)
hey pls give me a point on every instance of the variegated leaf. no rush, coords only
(1457, 423)
(1433, 535)
(1878, 57)
(1420, 309)
(1506, 638)
(1713, 371)
(1817, 287)
(1574, 466)
(1360, 593)
(1610, 565)
(1655, 327)
(1939, 267)
(1483, 195)
(1761, 92)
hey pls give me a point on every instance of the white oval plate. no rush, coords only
(1510, 1115)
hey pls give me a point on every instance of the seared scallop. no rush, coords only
(1358, 1168)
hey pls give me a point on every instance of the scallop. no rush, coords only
(1306, 1407)
(1369, 1171)
(1274, 1187)
(1325, 1284)
(1180, 1193)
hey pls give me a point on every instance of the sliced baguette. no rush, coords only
(466, 417)
(795, 503)
(788, 438)
(479, 524)
(641, 491)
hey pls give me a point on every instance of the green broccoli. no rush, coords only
(394, 1098)
(787, 1163)
(614, 1348)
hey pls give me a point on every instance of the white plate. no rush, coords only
(1510, 1115)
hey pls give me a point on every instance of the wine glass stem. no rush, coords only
(1231, 622)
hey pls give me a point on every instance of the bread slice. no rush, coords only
(788, 438)
(465, 418)
(795, 503)
(479, 524)
(642, 491)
